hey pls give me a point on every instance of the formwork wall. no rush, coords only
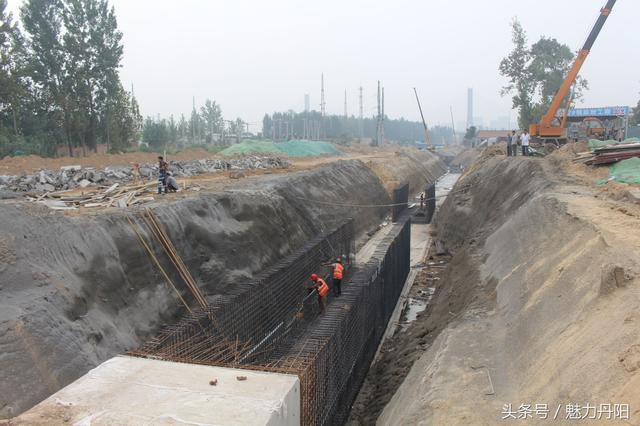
(430, 196)
(400, 202)
(330, 352)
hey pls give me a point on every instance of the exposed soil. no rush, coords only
(539, 304)
(398, 353)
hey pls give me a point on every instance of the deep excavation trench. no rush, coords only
(539, 305)
(76, 290)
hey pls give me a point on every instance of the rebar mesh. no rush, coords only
(282, 331)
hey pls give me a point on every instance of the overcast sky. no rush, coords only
(256, 56)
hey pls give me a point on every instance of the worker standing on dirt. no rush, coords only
(525, 138)
(421, 200)
(163, 168)
(512, 144)
(323, 290)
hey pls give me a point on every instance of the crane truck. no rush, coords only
(552, 128)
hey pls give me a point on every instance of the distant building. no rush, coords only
(307, 102)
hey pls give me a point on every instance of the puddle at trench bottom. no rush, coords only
(415, 306)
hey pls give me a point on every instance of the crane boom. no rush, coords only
(427, 140)
(546, 127)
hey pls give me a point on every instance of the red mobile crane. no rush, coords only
(552, 128)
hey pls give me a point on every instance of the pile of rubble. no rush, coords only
(71, 177)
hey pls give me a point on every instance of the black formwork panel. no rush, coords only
(400, 202)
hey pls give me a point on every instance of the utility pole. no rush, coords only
(380, 128)
(453, 126)
(382, 120)
(361, 123)
(323, 105)
(346, 114)
(193, 122)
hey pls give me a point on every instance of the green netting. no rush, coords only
(595, 143)
(626, 171)
(293, 148)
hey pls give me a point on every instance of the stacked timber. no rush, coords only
(609, 154)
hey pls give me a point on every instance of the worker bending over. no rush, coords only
(171, 183)
(323, 290)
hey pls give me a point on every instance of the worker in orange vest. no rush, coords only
(338, 273)
(323, 290)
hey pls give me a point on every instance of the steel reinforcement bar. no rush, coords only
(249, 321)
(332, 353)
(272, 324)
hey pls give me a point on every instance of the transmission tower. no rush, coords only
(323, 106)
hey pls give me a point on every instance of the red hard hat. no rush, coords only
(314, 277)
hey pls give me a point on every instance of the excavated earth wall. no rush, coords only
(76, 290)
(540, 306)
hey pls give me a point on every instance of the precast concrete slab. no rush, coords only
(136, 391)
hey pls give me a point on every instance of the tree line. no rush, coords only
(59, 79)
(311, 125)
(204, 126)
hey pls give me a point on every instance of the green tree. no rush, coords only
(12, 84)
(535, 74)
(471, 132)
(516, 68)
(211, 115)
(73, 54)
(94, 48)
(155, 133)
(635, 117)
(46, 67)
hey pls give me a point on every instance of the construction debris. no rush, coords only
(70, 177)
(611, 154)
(113, 196)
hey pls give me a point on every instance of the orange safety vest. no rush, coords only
(337, 272)
(323, 289)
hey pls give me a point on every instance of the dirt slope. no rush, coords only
(548, 272)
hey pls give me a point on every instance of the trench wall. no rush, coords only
(542, 291)
(77, 290)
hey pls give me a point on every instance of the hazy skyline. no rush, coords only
(256, 57)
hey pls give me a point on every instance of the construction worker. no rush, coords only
(421, 200)
(163, 168)
(338, 272)
(323, 290)
(171, 183)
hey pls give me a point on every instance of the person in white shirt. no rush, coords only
(525, 142)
